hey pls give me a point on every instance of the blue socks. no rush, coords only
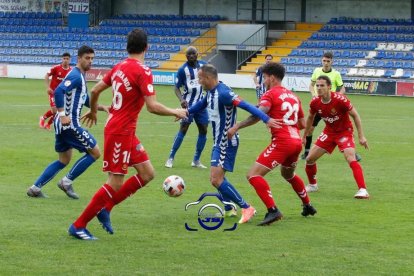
(80, 166)
(229, 192)
(201, 142)
(177, 143)
(49, 173)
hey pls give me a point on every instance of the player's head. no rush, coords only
(273, 73)
(327, 60)
(137, 41)
(323, 85)
(208, 76)
(191, 54)
(85, 57)
(268, 58)
(65, 59)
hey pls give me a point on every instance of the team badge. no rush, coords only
(150, 88)
(333, 111)
(67, 83)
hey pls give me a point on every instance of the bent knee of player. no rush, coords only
(287, 173)
(95, 152)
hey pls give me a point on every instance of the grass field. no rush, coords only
(347, 236)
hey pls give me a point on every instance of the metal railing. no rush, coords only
(252, 45)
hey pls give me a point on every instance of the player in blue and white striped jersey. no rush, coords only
(221, 103)
(70, 96)
(259, 80)
(187, 77)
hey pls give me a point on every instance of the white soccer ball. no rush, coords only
(173, 186)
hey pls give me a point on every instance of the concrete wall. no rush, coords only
(316, 10)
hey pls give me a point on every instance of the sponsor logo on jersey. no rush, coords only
(67, 83)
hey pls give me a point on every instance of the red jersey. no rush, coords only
(131, 81)
(58, 73)
(334, 113)
(283, 104)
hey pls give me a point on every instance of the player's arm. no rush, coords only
(155, 107)
(340, 84)
(200, 105)
(312, 87)
(179, 83)
(90, 118)
(59, 95)
(179, 95)
(256, 83)
(251, 120)
(270, 122)
(358, 124)
(341, 89)
(47, 82)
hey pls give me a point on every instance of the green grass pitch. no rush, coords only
(347, 236)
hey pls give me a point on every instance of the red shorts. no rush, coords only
(121, 152)
(52, 100)
(285, 152)
(328, 141)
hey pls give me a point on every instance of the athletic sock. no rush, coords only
(80, 166)
(299, 187)
(230, 192)
(48, 114)
(308, 143)
(133, 184)
(98, 201)
(311, 170)
(358, 174)
(263, 190)
(201, 142)
(176, 144)
(51, 170)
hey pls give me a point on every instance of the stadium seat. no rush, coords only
(407, 74)
(361, 63)
(352, 72)
(379, 73)
(398, 73)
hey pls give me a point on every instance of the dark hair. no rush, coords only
(275, 69)
(136, 41)
(268, 55)
(85, 50)
(326, 78)
(328, 55)
(209, 69)
(66, 54)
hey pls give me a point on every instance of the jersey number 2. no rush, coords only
(290, 110)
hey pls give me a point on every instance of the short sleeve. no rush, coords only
(146, 83)
(107, 78)
(180, 80)
(314, 75)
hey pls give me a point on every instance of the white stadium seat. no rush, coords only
(361, 63)
(398, 73)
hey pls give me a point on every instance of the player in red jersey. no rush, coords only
(334, 109)
(58, 73)
(132, 87)
(283, 105)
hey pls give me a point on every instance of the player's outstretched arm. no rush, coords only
(155, 107)
(358, 124)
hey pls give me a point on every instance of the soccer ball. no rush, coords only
(173, 186)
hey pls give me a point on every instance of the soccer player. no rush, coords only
(58, 73)
(132, 87)
(258, 78)
(221, 103)
(70, 96)
(334, 109)
(337, 85)
(193, 92)
(286, 144)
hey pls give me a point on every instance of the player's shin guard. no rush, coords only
(98, 201)
(263, 190)
(358, 174)
(51, 170)
(133, 184)
(80, 166)
(299, 187)
(230, 192)
(178, 140)
(201, 142)
(311, 170)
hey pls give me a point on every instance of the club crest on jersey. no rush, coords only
(67, 83)
(150, 88)
(333, 111)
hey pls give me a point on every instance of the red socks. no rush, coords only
(311, 173)
(299, 187)
(262, 190)
(48, 114)
(130, 186)
(358, 174)
(98, 201)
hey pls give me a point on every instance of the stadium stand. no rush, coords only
(361, 47)
(41, 38)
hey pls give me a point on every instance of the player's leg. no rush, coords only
(357, 171)
(83, 141)
(308, 143)
(311, 169)
(201, 119)
(65, 155)
(51, 119)
(223, 160)
(178, 140)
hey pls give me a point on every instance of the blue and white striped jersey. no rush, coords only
(187, 76)
(260, 81)
(72, 95)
